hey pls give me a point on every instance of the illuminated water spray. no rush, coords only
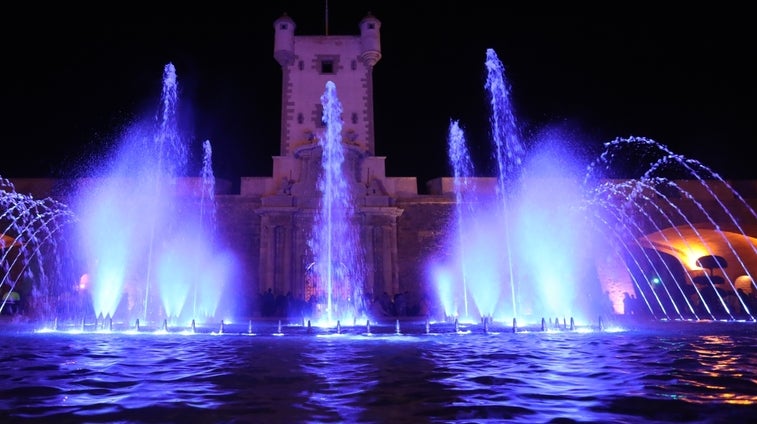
(508, 151)
(462, 170)
(171, 157)
(484, 263)
(148, 231)
(515, 250)
(543, 245)
(335, 237)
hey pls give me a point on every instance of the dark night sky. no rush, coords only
(72, 84)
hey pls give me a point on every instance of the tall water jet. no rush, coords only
(334, 241)
(207, 293)
(508, 152)
(171, 161)
(463, 172)
(481, 221)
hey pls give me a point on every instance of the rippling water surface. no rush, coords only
(672, 372)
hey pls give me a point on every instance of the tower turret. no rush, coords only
(370, 40)
(283, 41)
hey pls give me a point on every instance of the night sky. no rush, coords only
(73, 84)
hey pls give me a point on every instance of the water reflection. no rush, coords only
(676, 373)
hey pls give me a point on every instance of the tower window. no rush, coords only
(300, 118)
(354, 118)
(371, 26)
(327, 64)
(301, 65)
(283, 26)
(327, 67)
(353, 65)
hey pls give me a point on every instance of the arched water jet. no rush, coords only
(699, 239)
(613, 189)
(33, 246)
(624, 245)
(628, 224)
(696, 232)
(691, 173)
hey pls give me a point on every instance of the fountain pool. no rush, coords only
(644, 373)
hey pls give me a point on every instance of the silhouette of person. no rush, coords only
(628, 304)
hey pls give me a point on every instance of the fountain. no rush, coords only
(516, 242)
(29, 253)
(149, 245)
(152, 252)
(542, 239)
(548, 242)
(527, 246)
(674, 234)
(147, 250)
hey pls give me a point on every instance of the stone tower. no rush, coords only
(289, 201)
(307, 63)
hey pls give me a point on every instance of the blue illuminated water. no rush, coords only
(648, 373)
(520, 249)
(151, 252)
